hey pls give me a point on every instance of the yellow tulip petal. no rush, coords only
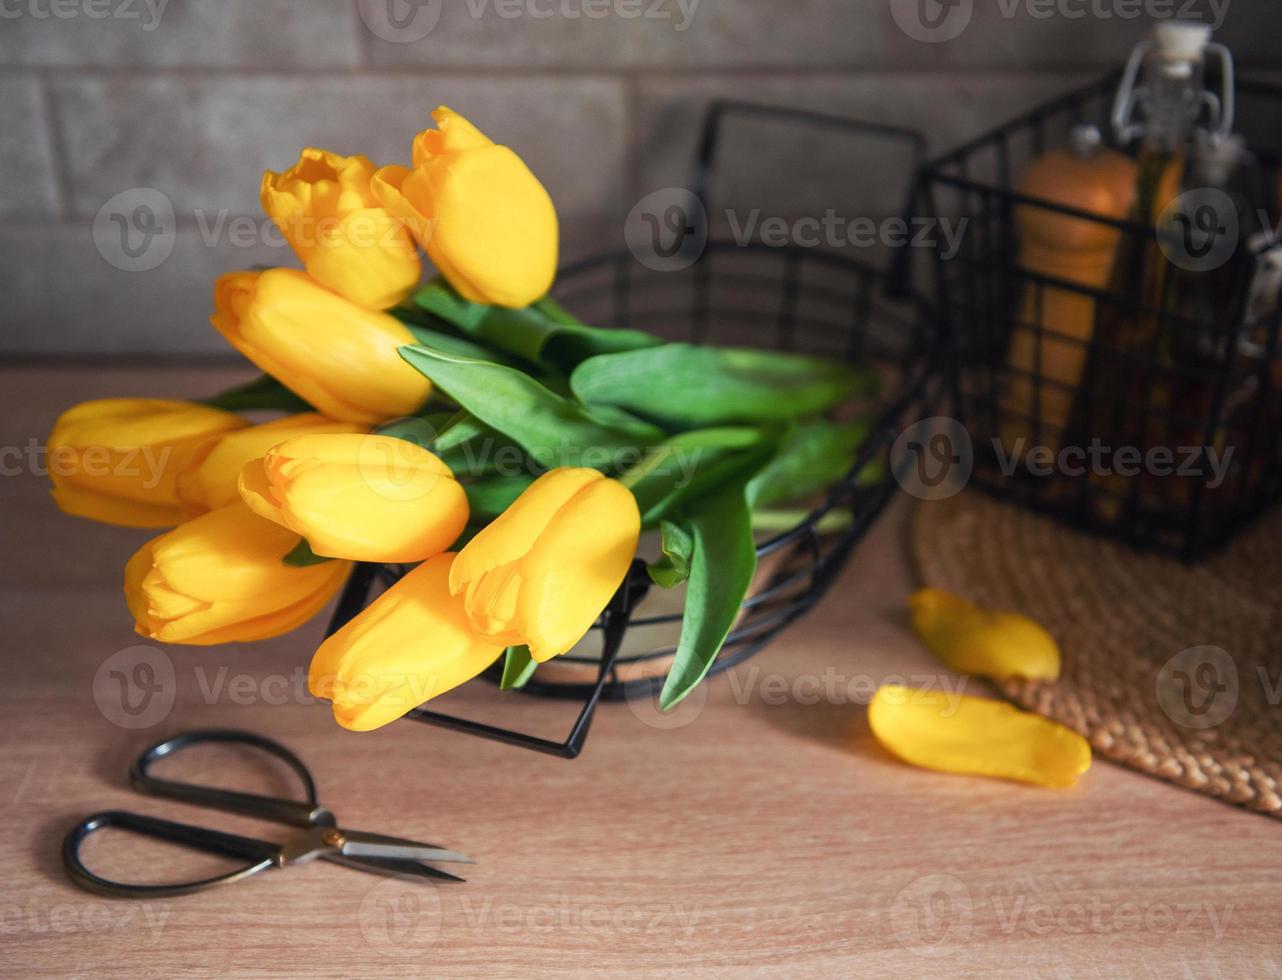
(477, 210)
(414, 212)
(495, 229)
(513, 533)
(408, 646)
(220, 577)
(453, 134)
(356, 496)
(576, 567)
(118, 460)
(328, 211)
(340, 357)
(211, 480)
(972, 639)
(976, 736)
(256, 490)
(107, 509)
(268, 625)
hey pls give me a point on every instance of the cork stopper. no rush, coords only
(1180, 45)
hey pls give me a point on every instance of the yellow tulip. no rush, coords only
(326, 209)
(480, 214)
(211, 480)
(336, 355)
(365, 497)
(117, 460)
(972, 639)
(976, 736)
(543, 570)
(409, 645)
(219, 578)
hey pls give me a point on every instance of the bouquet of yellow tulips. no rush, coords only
(467, 426)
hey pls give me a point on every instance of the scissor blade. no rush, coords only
(358, 843)
(391, 867)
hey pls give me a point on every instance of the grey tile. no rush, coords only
(63, 294)
(204, 141)
(817, 34)
(226, 33)
(28, 186)
(634, 33)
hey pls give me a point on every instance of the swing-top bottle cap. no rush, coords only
(1180, 44)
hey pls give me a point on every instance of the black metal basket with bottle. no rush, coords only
(1156, 422)
(804, 299)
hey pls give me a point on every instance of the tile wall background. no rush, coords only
(194, 98)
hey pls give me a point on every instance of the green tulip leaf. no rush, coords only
(684, 386)
(542, 333)
(264, 393)
(489, 496)
(689, 465)
(678, 547)
(438, 340)
(723, 560)
(554, 311)
(421, 430)
(816, 455)
(301, 555)
(518, 667)
(553, 429)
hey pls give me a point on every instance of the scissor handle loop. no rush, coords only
(261, 855)
(298, 813)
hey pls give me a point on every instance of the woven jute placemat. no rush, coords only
(1170, 669)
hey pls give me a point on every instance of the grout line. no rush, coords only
(363, 59)
(634, 166)
(481, 72)
(57, 152)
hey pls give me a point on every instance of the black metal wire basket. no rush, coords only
(791, 298)
(1216, 415)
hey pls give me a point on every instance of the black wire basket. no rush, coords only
(1203, 457)
(792, 298)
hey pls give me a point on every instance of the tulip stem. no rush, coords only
(773, 520)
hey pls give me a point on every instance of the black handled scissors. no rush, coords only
(322, 837)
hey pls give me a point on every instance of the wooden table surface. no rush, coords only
(759, 831)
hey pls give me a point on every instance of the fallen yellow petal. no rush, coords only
(977, 736)
(974, 639)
